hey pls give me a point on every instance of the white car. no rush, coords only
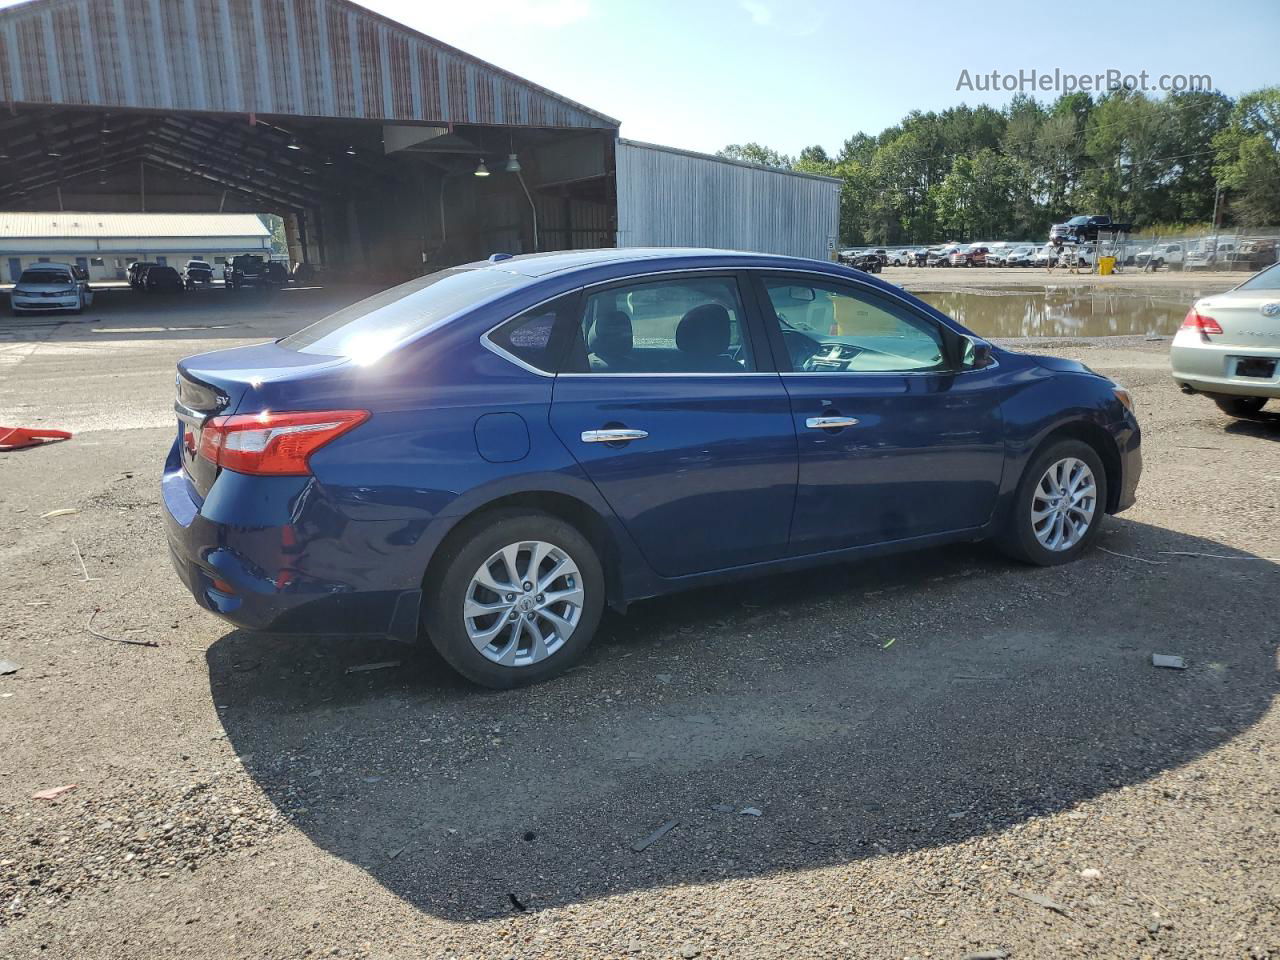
(1228, 347)
(1162, 255)
(46, 287)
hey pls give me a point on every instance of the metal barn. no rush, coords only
(386, 152)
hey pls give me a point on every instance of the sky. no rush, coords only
(700, 74)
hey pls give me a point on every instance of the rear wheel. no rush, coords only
(1240, 406)
(518, 599)
(1058, 506)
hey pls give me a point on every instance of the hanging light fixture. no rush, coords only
(513, 164)
(481, 169)
(293, 144)
(328, 160)
(53, 152)
(106, 123)
(351, 150)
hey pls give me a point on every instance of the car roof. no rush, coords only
(539, 265)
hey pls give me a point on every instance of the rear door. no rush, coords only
(895, 439)
(670, 407)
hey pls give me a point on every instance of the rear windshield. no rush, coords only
(1268, 279)
(45, 276)
(373, 326)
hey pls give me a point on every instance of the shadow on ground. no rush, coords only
(1264, 425)
(862, 709)
(206, 313)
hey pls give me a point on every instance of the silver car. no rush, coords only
(1228, 347)
(46, 287)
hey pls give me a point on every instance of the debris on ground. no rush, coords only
(63, 512)
(380, 665)
(515, 902)
(53, 793)
(1129, 556)
(751, 812)
(722, 807)
(16, 438)
(7, 667)
(84, 571)
(1167, 660)
(654, 837)
(1040, 901)
(987, 955)
(1090, 873)
(106, 636)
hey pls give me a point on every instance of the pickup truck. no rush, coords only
(1161, 255)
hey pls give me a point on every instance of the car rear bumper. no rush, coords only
(1208, 367)
(273, 568)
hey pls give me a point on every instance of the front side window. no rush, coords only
(831, 328)
(677, 325)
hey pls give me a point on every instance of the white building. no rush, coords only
(106, 243)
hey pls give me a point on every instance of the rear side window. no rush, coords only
(678, 325)
(366, 330)
(540, 336)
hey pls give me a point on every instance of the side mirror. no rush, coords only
(976, 354)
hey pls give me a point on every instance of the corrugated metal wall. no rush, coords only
(317, 58)
(672, 198)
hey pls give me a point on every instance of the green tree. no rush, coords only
(1248, 158)
(756, 153)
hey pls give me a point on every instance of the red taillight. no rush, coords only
(277, 444)
(1198, 321)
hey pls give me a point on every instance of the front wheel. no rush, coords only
(518, 598)
(1242, 407)
(1058, 506)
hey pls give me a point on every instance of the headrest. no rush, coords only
(611, 337)
(704, 331)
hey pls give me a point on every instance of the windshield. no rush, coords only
(47, 275)
(1268, 279)
(366, 330)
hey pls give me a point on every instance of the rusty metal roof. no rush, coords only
(312, 58)
(67, 224)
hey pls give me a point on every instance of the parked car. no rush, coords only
(162, 279)
(136, 271)
(940, 256)
(1085, 229)
(49, 287)
(197, 273)
(959, 256)
(1162, 255)
(1020, 256)
(867, 262)
(485, 455)
(247, 270)
(1047, 256)
(1059, 233)
(1209, 255)
(899, 258)
(1228, 347)
(977, 255)
(919, 258)
(1255, 254)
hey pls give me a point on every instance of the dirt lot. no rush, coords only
(940, 756)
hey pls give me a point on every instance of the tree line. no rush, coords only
(978, 173)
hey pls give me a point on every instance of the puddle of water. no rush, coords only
(1064, 312)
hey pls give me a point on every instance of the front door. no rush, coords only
(896, 439)
(680, 429)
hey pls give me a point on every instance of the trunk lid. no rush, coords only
(221, 383)
(1243, 320)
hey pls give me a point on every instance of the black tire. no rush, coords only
(1242, 407)
(464, 553)
(1018, 538)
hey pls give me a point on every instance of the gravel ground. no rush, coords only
(941, 755)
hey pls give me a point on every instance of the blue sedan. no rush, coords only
(487, 456)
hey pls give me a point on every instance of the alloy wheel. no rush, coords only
(1063, 504)
(523, 604)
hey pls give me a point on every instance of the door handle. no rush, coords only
(830, 423)
(613, 436)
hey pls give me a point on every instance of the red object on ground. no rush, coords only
(15, 438)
